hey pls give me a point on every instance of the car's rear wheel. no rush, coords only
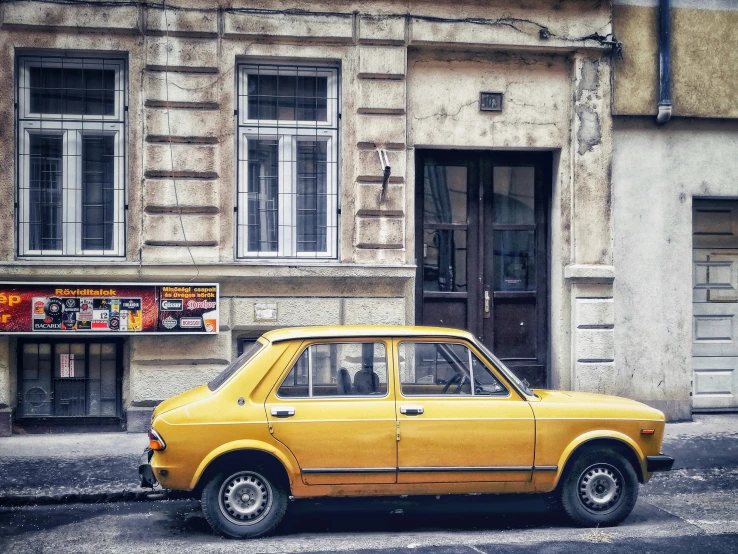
(244, 504)
(599, 489)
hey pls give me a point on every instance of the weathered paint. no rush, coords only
(704, 65)
(545, 55)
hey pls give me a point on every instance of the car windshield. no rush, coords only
(505, 370)
(235, 365)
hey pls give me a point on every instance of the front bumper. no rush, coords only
(659, 463)
(145, 472)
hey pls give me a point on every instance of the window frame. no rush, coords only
(279, 68)
(506, 394)
(305, 347)
(288, 133)
(73, 128)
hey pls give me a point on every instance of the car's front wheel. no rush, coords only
(599, 489)
(244, 504)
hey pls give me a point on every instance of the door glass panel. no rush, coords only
(444, 262)
(445, 190)
(338, 369)
(485, 383)
(514, 261)
(514, 195)
(108, 380)
(36, 393)
(69, 380)
(434, 368)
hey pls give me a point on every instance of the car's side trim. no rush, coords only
(463, 469)
(429, 469)
(341, 470)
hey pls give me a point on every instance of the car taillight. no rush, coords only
(155, 440)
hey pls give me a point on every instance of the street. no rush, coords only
(688, 510)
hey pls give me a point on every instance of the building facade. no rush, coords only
(347, 163)
(674, 201)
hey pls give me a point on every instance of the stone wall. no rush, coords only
(410, 75)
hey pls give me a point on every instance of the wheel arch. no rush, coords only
(243, 452)
(617, 441)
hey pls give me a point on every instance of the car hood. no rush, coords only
(182, 399)
(587, 397)
(597, 401)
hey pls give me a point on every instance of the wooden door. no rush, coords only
(482, 234)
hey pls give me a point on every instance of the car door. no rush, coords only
(457, 419)
(335, 410)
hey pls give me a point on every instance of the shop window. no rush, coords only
(287, 161)
(69, 379)
(71, 156)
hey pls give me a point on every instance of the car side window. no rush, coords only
(430, 368)
(338, 369)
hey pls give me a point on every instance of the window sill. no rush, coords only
(111, 269)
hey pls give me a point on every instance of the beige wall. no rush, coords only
(411, 74)
(704, 64)
(657, 173)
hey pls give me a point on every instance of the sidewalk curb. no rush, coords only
(74, 498)
(90, 498)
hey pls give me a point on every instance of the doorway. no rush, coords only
(481, 238)
(65, 379)
(714, 305)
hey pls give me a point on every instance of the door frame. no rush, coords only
(480, 164)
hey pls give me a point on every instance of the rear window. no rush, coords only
(235, 365)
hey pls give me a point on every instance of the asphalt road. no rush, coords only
(688, 510)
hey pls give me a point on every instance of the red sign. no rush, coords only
(110, 308)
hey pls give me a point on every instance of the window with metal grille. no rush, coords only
(71, 156)
(287, 161)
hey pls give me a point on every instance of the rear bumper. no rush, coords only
(659, 463)
(145, 472)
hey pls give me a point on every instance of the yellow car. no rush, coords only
(368, 411)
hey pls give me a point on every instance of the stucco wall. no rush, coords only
(704, 65)
(656, 174)
(544, 54)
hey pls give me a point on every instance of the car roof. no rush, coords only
(362, 331)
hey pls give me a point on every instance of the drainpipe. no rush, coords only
(664, 107)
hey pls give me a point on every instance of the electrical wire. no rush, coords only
(169, 138)
(512, 22)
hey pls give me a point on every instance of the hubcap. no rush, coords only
(245, 498)
(600, 488)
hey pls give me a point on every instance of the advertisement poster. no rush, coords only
(108, 309)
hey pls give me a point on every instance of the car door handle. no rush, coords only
(411, 410)
(283, 412)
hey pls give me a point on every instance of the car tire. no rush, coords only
(244, 504)
(599, 489)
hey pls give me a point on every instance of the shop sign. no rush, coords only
(110, 308)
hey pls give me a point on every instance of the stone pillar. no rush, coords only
(381, 125)
(591, 273)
